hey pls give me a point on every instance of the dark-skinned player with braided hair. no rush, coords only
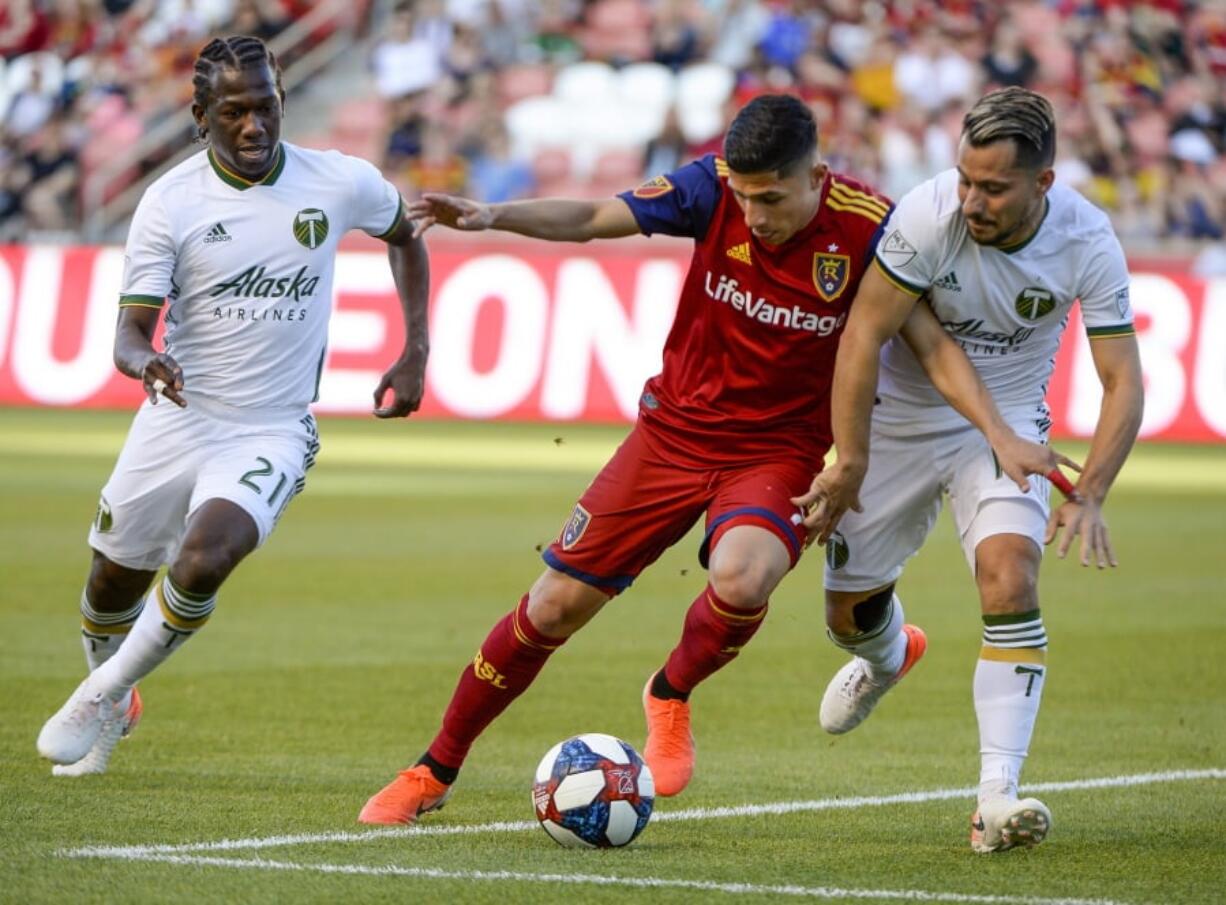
(237, 244)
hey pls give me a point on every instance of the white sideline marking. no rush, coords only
(749, 810)
(434, 873)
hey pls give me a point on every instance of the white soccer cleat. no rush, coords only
(1004, 823)
(68, 736)
(852, 694)
(99, 756)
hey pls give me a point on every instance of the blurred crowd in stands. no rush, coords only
(503, 99)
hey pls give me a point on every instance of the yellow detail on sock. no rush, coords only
(730, 615)
(175, 620)
(1014, 654)
(97, 629)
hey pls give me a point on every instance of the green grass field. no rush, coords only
(335, 648)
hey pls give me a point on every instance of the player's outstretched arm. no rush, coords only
(406, 378)
(1119, 369)
(556, 219)
(952, 373)
(135, 356)
(878, 313)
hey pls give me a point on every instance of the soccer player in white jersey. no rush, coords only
(1000, 252)
(241, 239)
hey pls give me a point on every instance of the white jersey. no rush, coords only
(247, 268)
(1007, 308)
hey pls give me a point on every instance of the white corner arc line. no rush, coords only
(434, 873)
(749, 810)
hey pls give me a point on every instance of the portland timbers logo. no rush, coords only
(1033, 303)
(311, 227)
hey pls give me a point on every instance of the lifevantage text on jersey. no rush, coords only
(759, 309)
(252, 283)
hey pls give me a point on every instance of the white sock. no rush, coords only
(1008, 687)
(882, 647)
(103, 633)
(170, 618)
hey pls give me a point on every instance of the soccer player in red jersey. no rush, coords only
(735, 425)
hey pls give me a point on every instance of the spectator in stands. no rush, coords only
(494, 175)
(1126, 78)
(263, 18)
(31, 106)
(405, 61)
(1009, 62)
(50, 200)
(674, 38)
(23, 28)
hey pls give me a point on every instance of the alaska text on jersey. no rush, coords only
(252, 283)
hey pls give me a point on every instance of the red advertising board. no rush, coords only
(549, 332)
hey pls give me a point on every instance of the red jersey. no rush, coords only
(749, 360)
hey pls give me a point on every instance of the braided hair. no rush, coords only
(233, 52)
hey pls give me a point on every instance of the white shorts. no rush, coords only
(902, 495)
(176, 459)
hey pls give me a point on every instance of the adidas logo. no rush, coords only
(948, 282)
(217, 234)
(740, 253)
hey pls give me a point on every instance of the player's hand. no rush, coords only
(162, 376)
(407, 381)
(1081, 516)
(832, 493)
(1019, 458)
(449, 210)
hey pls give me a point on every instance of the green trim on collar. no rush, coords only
(1010, 249)
(241, 183)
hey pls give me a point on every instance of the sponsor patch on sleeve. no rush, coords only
(654, 188)
(575, 526)
(896, 250)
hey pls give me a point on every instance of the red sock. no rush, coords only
(504, 667)
(714, 634)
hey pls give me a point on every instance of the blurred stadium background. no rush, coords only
(504, 99)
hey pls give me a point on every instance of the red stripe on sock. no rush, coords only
(507, 663)
(713, 635)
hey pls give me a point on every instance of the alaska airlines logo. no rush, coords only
(972, 330)
(759, 309)
(252, 283)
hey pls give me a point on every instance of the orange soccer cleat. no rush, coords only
(669, 751)
(412, 793)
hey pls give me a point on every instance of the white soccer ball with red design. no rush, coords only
(593, 791)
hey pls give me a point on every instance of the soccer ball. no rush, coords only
(593, 791)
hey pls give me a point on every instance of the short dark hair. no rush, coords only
(771, 134)
(233, 52)
(1014, 113)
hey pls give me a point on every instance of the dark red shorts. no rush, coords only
(640, 504)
